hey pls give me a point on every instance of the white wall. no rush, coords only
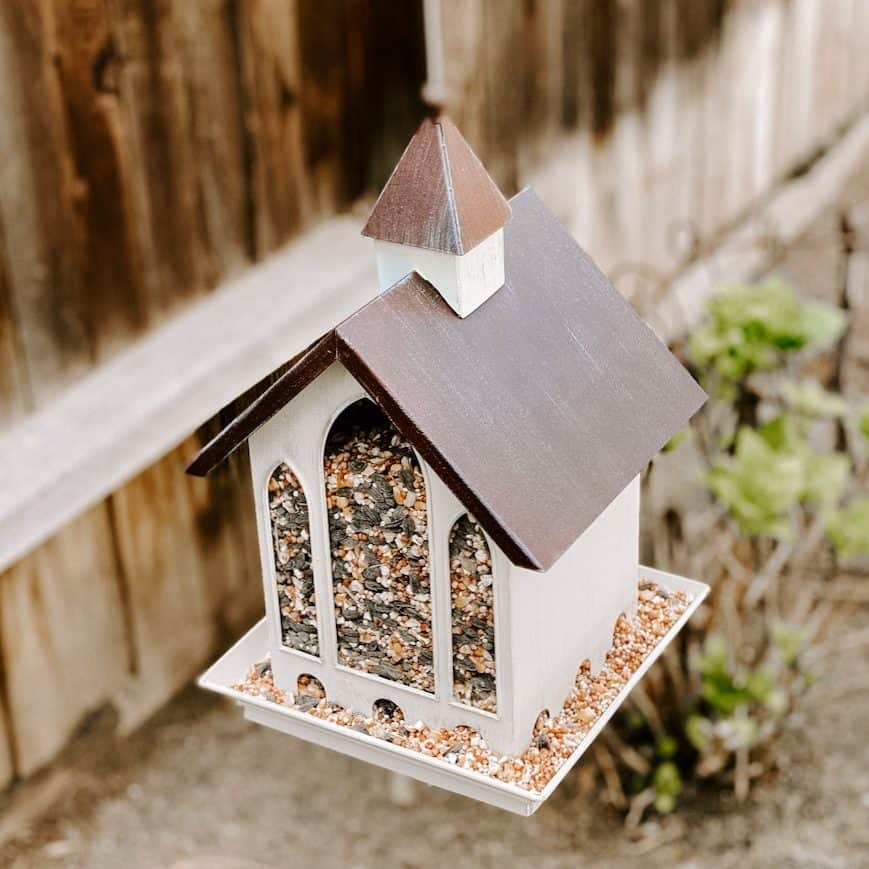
(465, 282)
(566, 615)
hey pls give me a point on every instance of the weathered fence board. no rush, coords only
(63, 636)
(168, 588)
(152, 149)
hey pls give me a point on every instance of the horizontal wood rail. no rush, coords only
(134, 409)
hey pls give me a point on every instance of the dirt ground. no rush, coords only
(199, 788)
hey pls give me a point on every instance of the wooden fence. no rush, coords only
(154, 149)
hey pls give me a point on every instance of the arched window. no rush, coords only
(378, 532)
(472, 596)
(291, 540)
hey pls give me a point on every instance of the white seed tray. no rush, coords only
(233, 666)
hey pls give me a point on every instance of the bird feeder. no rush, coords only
(447, 498)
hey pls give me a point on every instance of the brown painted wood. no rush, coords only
(439, 196)
(302, 371)
(538, 408)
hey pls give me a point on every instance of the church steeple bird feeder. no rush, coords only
(447, 498)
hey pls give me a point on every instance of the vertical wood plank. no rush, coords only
(14, 392)
(322, 49)
(7, 761)
(50, 301)
(208, 66)
(86, 59)
(167, 207)
(463, 25)
(270, 86)
(168, 590)
(63, 637)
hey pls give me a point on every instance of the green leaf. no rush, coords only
(863, 424)
(753, 327)
(819, 325)
(664, 804)
(810, 399)
(667, 781)
(848, 528)
(788, 640)
(711, 661)
(759, 485)
(666, 746)
(760, 684)
(825, 477)
(698, 729)
(771, 471)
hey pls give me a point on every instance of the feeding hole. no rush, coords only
(542, 720)
(385, 710)
(310, 686)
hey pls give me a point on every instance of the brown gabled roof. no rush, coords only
(439, 196)
(537, 409)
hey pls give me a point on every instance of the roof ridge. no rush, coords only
(451, 193)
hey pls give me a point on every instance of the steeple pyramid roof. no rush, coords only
(439, 196)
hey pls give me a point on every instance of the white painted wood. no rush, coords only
(254, 646)
(567, 615)
(136, 408)
(545, 624)
(297, 435)
(464, 281)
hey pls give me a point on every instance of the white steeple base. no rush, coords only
(465, 281)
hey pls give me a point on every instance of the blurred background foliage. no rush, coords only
(781, 457)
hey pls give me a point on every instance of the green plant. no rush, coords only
(785, 484)
(753, 327)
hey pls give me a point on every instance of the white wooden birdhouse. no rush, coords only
(447, 497)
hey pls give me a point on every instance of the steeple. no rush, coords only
(442, 215)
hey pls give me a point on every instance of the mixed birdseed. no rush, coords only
(554, 738)
(473, 616)
(376, 501)
(291, 538)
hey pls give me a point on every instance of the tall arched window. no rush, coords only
(378, 531)
(291, 539)
(472, 596)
